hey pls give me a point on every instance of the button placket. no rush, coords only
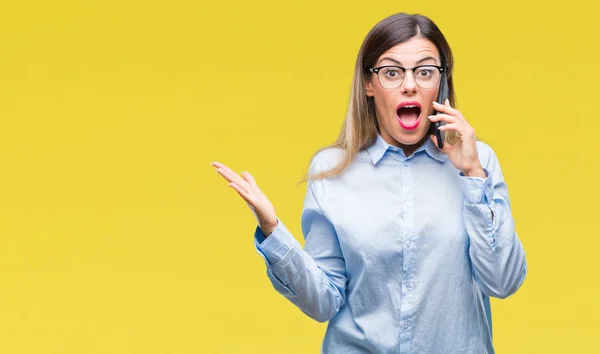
(407, 306)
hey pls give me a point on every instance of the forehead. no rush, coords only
(411, 51)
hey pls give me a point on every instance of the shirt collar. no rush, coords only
(378, 149)
(434, 152)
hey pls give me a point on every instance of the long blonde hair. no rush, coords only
(360, 127)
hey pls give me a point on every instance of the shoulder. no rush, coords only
(325, 159)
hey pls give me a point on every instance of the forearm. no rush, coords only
(296, 275)
(496, 253)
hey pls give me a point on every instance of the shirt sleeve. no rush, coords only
(313, 278)
(495, 250)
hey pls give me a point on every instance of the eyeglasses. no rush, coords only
(391, 76)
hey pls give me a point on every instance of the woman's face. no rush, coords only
(402, 111)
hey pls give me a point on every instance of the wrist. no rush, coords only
(268, 227)
(475, 172)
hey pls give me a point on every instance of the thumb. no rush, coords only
(435, 142)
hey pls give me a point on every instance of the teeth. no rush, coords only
(409, 106)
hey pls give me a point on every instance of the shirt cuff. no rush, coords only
(477, 190)
(276, 246)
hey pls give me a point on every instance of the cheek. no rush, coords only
(383, 99)
(429, 98)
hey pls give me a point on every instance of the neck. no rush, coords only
(408, 149)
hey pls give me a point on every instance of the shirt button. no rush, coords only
(407, 204)
(407, 244)
(405, 164)
(406, 325)
(407, 284)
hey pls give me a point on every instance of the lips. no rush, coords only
(409, 114)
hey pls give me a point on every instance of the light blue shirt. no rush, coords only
(401, 253)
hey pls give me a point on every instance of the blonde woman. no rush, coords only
(405, 242)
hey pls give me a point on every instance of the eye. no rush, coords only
(392, 73)
(425, 72)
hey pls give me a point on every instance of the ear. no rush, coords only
(369, 89)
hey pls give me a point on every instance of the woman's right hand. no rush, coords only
(246, 187)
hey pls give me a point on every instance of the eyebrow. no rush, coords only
(399, 63)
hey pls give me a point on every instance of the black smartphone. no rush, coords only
(442, 96)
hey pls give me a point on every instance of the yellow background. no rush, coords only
(116, 236)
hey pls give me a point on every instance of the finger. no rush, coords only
(248, 177)
(456, 132)
(217, 164)
(223, 167)
(242, 193)
(224, 173)
(445, 108)
(450, 126)
(234, 178)
(442, 117)
(231, 176)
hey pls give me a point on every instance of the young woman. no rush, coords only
(405, 242)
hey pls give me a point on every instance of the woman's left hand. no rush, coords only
(463, 153)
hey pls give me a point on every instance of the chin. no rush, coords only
(409, 139)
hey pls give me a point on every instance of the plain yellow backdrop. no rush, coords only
(116, 236)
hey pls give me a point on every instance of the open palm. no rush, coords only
(248, 189)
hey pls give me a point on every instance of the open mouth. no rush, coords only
(409, 115)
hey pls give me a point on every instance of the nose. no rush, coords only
(409, 86)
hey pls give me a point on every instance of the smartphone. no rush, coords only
(442, 96)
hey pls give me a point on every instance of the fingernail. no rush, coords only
(434, 102)
(431, 117)
(447, 101)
